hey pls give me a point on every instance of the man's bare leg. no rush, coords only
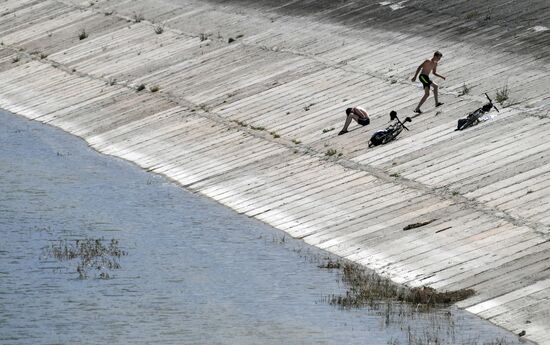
(348, 121)
(424, 98)
(436, 88)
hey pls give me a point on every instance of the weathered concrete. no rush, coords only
(248, 123)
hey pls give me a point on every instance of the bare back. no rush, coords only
(361, 112)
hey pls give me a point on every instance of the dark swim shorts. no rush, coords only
(363, 121)
(425, 80)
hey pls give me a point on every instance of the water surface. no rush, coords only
(195, 273)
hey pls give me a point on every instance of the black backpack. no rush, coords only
(378, 138)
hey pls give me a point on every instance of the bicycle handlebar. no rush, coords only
(491, 101)
(401, 123)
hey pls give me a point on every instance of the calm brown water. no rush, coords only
(195, 273)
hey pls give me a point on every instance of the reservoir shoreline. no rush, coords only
(242, 104)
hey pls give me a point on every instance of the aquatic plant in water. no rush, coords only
(93, 254)
(368, 289)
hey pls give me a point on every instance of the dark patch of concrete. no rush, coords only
(485, 23)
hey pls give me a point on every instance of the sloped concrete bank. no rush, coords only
(242, 102)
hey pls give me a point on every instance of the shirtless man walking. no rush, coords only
(427, 67)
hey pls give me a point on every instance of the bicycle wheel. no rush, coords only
(471, 119)
(393, 135)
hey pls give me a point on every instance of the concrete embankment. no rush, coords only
(242, 103)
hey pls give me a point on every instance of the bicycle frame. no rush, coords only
(472, 118)
(390, 133)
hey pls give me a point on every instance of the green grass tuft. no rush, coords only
(503, 94)
(331, 152)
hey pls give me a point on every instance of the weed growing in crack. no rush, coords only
(82, 35)
(465, 90)
(503, 94)
(137, 17)
(240, 123)
(203, 36)
(331, 152)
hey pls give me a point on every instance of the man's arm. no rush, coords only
(417, 71)
(438, 75)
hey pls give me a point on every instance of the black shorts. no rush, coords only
(363, 121)
(425, 80)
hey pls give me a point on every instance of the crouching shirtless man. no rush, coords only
(358, 114)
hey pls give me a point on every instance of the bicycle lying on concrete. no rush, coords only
(391, 132)
(473, 118)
